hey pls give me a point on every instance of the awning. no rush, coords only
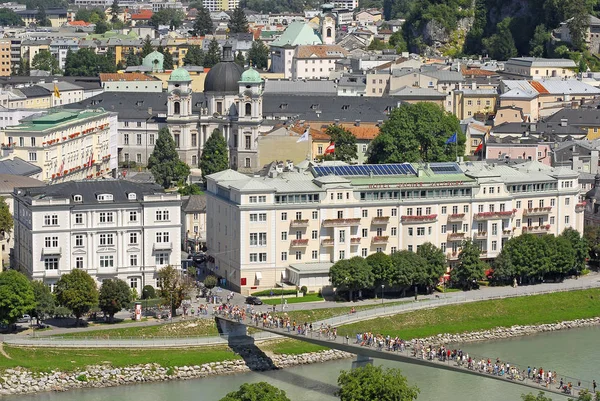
(258, 276)
(284, 275)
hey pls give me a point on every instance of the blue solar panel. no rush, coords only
(375, 169)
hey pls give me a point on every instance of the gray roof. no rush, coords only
(223, 77)
(423, 93)
(543, 62)
(90, 189)
(18, 166)
(8, 182)
(310, 87)
(35, 91)
(445, 75)
(195, 204)
(540, 128)
(582, 116)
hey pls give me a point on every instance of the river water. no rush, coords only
(574, 352)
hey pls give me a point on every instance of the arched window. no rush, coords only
(248, 109)
(177, 108)
(328, 32)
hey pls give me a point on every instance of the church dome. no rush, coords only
(181, 75)
(251, 76)
(154, 61)
(224, 77)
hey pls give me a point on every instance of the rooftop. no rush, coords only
(53, 120)
(130, 76)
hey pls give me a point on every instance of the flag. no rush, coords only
(330, 148)
(90, 160)
(56, 91)
(62, 166)
(304, 136)
(452, 139)
(479, 148)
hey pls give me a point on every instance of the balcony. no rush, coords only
(299, 243)
(507, 233)
(580, 207)
(481, 235)
(341, 222)
(381, 220)
(299, 223)
(355, 241)
(428, 218)
(162, 246)
(327, 242)
(483, 254)
(536, 229)
(456, 236)
(495, 215)
(380, 240)
(452, 255)
(52, 273)
(537, 211)
(54, 250)
(456, 217)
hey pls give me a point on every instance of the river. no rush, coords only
(574, 352)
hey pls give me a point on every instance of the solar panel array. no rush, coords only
(366, 170)
(445, 169)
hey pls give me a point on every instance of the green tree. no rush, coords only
(85, 63)
(577, 13)
(6, 220)
(210, 282)
(148, 292)
(93, 15)
(10, 18)
(164, 162)
(474, 37)
(591, 235)
(351, 274)
(261, 391)
(41, 19)
(16, 296)
(101, 27)
(377, 44)
(115, 10)
(470, 267)
(77, 291)
(382, 267)
(370, 383)
(203, 24)
(258, 55)
(214, 156)
(435, 264)
(239, 59)
(501, 45)
(525, 258)
(213, 54)
(539, 42)
(417, 132)
(540, 397)
(45, 61)
(580, 248)
(194, 56)
(238, 22)
(173, 287)
(168, 59)
(168, 16)
(409, 270)
(189, 189)
(45, 304)
(146, 47)
(561, 257)
(21, 69)
(114, 296)
(345, 143)
(132, 59)
(398, 42)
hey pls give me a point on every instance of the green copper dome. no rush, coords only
(181, 75)
(251, 76)
(154, 61)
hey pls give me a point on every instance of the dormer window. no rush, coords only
(104, 197)
(77, 198)
(132, 196)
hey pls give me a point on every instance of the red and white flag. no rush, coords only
(330, 148)
(90, 160)
(62, 166)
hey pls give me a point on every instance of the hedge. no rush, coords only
(267, 293)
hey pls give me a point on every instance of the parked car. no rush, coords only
(25, 319)
(253, 301)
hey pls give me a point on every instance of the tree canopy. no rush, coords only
(194, 56)
(352, 274)
(258, 55)
(91, 15)
(168, 58)
(164, 162)
(238, 22)
(173, 287)
(10, 18)
(45, 305)
(261, 391)
(168, 16)
(540, 397)
(345, 143)
(435, 264)
(45, 61)
(203, 23)
(214, 156)
(470, 267)
(6, 219)
(501, 45)
(213, 54)
(146, 47)
(417, 133)
(114, 296)
(132, 59)
(84, 62)
(382, 267)
(41, 19)
(370, 383)
(16, 296)
(77, 291)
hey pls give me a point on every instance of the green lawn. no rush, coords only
(292, 347)
(294, 300)
(188, 328)
(46, 359)
(528, 310)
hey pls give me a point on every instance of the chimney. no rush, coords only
(357, 123)
(563, 122)
(336, 121)
(150, 111)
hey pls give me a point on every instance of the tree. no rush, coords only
(77, 291)
(21, 69)
(408, 269)
(435, 264)
(41, 19)
(578, 22)
(115, 10)
(561, 257)
(173, 287)
(114, 296)
(470, 267)
(351, 274)
(168, 16)
(579, 246)
(10, 18)
(189, 189)
(417, 132)
(256, 391)
(6, 220)
(501, 45)
(164, 162)
(210, 282)
(374, 383)
(148, 292)
(539, 41)
(345, 143)
(525, 258)
(203, 24)
(146, 47)
(591, 235)
(194, 56)
(93, 15)
(168, 60)
(132, 59)
(381, 266)
(398, 42)
(213, 55)
(84, 63)
(16, 296)
(101, 27)
(474, 37)
(258, 55)
(45, 61)
(44, 301)
(214, 156)
(238, 22)
(239, 59)
(540, 397)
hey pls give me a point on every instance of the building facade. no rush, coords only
(110, 228)
(292, 226)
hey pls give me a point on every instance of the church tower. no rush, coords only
(181, 121)
(327, 25)
(250, 117)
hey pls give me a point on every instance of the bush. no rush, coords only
(210, 282)
(278, 292)
(303, 290)
(585, 271)
(148, 292)
(82, 378)
(483, 283)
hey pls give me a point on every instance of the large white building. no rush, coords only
(109, 228)
(292, 226)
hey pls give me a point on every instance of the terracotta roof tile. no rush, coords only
(477, 72)
(362, 132)
(129, 76)
(78, 23)
(321, 51)
(539, 87)
(142, 15)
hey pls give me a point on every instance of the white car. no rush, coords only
(25, 319)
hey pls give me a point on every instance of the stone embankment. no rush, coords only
(22, 381)
(501, 333)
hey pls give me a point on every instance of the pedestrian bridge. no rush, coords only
(237, 329)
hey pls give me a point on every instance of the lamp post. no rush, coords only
(382, 294)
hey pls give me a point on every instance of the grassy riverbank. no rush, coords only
(189, 328)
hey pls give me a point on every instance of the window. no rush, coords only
(283, 236)
(162, 215)
(284, 256)
(444, 209)
(365, 213)
(79, 240)
(315, 234)
(126, 139)
(340, 196)
(133, 238)
(254, 239)
(409, 211)
(491, 208)
(552, 202)
(133, 260)
(444, 228)
(132, 216)
(262, 257)
(529, 204)
(419, 211)
(315, 215)
(394, 231)
(284, 216)
(494, 245)
(466, 209)
(427, 210)
(106, 239)
(152, 139)
(552, 220)
(298, 215)
(262, 239)
(78, 218)
(138, 158)
(253, 257)
(342, 236)
(262, 199)
(340, 214)
(420, 231)
(518, 205)
(51, 220)
(518, 223)
(51, 242)
(379, 212)
(298, 255)
(315, 255)
(567, 201)
(106, 261)
(253, 218)
(365, 232)
(51, 263)
(162, 259)
(32, 156)
(394, 212)
(494, 228)
(133, 282)
(465, 227)
(410, 231)
(567, 219)
(342, 255)
(247, 163)
(443, 247)
(410, 248)
(106, 217)
(138, 139)
(79, 262)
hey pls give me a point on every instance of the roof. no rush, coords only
(320, 51)
(78, 23)
(224, 77)
(297, 33)
(142, 15)
(581, 116)
(250, 76)
(8, 182)
(37, 123)
(62, 86)
(130, 76)
(18, 166)
(35, 91)
(542, 62)
(311, 268)
(304, 87)
(421, 93)
(444, 75)
(180, 75)
(194, 204)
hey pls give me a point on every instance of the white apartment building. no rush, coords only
(109, 228)
(316, 61)
(66, 145)
(291, 227)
